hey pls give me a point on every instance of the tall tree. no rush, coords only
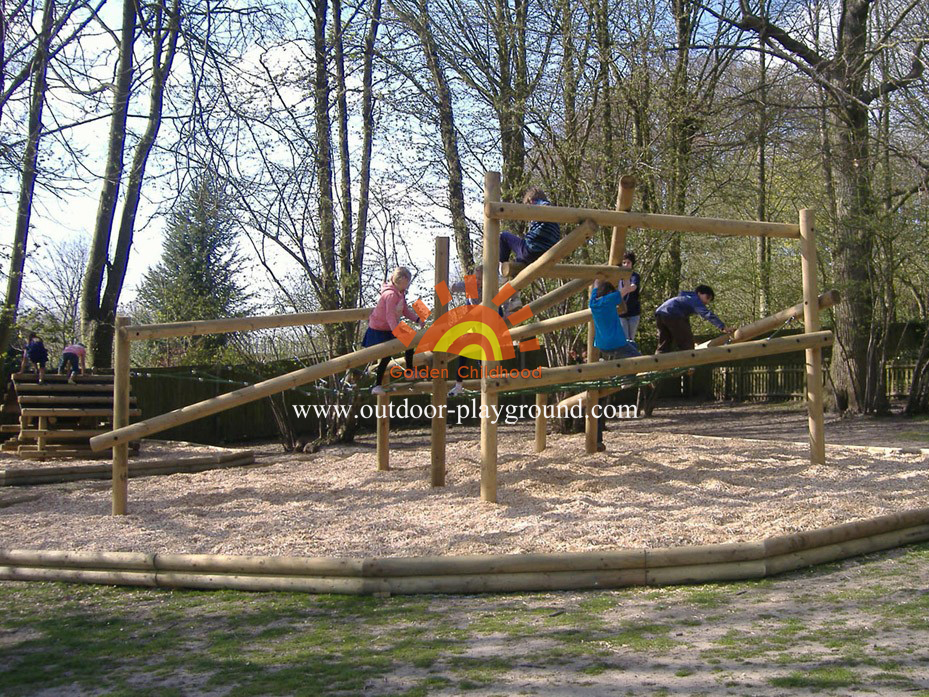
(857, 373)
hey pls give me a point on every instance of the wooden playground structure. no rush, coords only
(743, 344)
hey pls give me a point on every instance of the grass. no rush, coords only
(862, 627)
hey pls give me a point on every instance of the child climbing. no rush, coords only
(673, 318)
(35, 353)
(609, 335)
(73, 358)
(540, 238)
(391, 307)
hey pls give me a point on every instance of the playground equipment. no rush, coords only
(812, 341)
(55, 418)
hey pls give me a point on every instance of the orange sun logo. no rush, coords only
(472, 331)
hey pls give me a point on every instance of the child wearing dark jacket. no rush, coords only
(539, 239)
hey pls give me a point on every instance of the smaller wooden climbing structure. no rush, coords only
(55, 418)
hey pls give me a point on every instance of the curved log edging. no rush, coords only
(71, 473)
(474, 573)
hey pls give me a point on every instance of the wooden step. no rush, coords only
(51, 379)
(66, 399)
(9, 428)
(63, 434)
(30, 412)
(62, 387)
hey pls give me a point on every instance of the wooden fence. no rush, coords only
(763, 382)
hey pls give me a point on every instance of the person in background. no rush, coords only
(73, 358)
(35, 353)
(629, 318)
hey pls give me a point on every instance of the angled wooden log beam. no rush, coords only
(663, 361)
(772, 322)
(588, 272)
(652, 221)
(556, 296)
(242, 324)
(251, 393)
(540, 267)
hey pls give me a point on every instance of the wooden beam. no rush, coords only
(652, 221)
(772, 322)
(251, 393)
(489, 400)
(440, 362)
(121, 412)
(814, 354)
(588, 272)
(540, 267)
(663, 361)
(382, 416)
(541, 423)
(242, 324)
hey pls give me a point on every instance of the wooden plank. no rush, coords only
(27, 387)
(653, 221)
(65, 399)
(241, 324)
(814, 354)
(52, 379)
(489, 400)
(62, 434)
(440, 362)
(605, 370)
(72, 413)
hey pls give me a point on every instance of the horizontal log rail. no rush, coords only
(663, 361)
(652, 221)
(588, 272)
(139, 332)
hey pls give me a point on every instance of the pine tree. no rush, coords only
(198, 275)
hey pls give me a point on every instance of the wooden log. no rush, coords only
(120, 491)
(540, 267)
(552, 324)
(590, 421)
(109, 578)
(382, 414)
(836, 534)
(489, 400)
(75, 413)
(652, 221)
(242, 324)
(663, 361)
(770, 323)
(251, 393)
(588, 272)
(814, 355)
(541, 423)
(512, 583)
(557, 296)
(84, 559)
(439, 384)
(239, 564)
(705, 573)
(624, 197)
(704, 554)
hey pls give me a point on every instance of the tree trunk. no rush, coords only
(29, 175)
(94, 319)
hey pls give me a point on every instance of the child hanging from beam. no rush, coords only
(391, 306)
(609, 335)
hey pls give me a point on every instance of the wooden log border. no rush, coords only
(73, 473)
(474, 573)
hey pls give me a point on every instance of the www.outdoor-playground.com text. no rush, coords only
(509, 413)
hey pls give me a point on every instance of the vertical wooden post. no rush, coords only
(814, 357)
(541, 423)
(121, 417)
(590, 422)
(440, 363)
(491, 286)
(42, 438)
(382, 411)
(624, 198)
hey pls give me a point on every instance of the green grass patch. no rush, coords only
(818, 678)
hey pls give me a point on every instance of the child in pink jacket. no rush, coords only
(391, 307)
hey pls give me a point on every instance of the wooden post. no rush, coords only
(814, 355)
(440, 362)
(121, 417)
(590, 422)
(489, 400)
(541, 423)
(382, 414)
(42, 438)
(617, 248)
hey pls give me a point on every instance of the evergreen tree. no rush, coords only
(198, 275)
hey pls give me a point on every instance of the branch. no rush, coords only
(894, 84)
